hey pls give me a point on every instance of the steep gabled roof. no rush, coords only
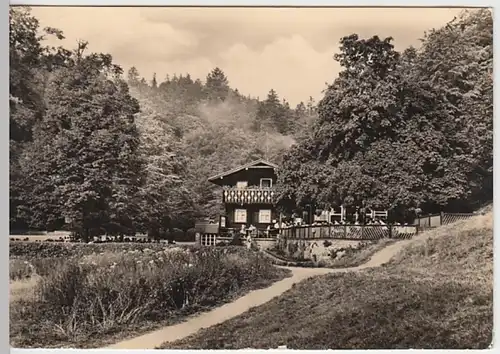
(258, 162)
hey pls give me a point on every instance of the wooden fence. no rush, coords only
(354, 232)
(208, 239)
(372, 232)
(436, 220)
(350, 232)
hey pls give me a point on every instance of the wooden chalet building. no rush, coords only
(248, 196)
(249, 199)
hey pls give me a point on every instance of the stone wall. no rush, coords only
(265, 243)
(315, 249)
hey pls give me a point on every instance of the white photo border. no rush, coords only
(4, 69)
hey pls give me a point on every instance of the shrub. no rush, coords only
(23, 268)
(177, 235)
(20, 269)
(236, 240)
(190, 235)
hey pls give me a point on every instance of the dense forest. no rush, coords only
(402, 131)
(107, 151)
(96, 149)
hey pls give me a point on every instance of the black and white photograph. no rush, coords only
(250, 177)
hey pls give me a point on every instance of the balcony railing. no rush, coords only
(249, 195)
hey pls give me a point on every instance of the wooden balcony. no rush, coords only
(248, 195)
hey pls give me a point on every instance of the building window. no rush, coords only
(241, 184)
(240, 216)
(265, 216)
(266, 182)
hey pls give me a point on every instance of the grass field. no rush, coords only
(437, 293)
(85, 296)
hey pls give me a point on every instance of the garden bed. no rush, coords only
(88, 300)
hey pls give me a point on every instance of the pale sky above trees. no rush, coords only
(289, 50)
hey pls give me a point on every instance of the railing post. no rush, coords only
(345, 231)
(441, 218)
(329, 230)
(390, 231)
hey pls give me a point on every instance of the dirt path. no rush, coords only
(252, 299)
(219, 314)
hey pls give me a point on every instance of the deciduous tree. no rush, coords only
(88, 145)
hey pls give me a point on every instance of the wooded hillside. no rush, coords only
(402, 130)
(101, 150)
(108, 151)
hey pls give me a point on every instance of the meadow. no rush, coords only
(85, 296)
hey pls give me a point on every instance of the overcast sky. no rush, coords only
(290, 50)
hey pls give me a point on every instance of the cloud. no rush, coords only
(287, 49)
(322, 27)
(285, 65)
(119, 31)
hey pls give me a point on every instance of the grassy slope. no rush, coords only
(436, 293)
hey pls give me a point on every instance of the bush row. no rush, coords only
(30, 250)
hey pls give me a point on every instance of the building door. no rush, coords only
(255, 218)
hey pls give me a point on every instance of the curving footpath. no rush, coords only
(252, 299)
